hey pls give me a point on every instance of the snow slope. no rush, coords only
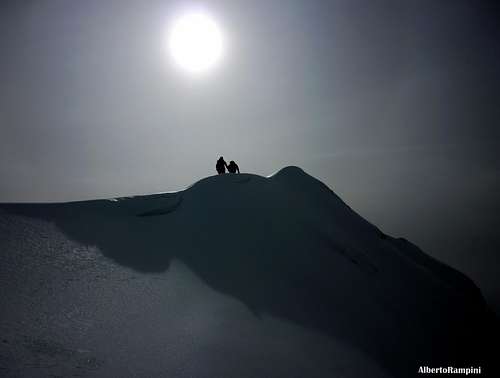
(236, 276)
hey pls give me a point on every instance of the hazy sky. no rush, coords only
(393, 104)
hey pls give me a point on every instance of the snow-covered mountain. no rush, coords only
(236, 276)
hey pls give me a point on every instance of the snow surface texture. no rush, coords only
(236, 276)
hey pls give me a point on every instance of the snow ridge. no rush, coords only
(240, 269)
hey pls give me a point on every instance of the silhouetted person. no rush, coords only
(233, 167)
(221, 166)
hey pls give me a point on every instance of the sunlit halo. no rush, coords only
(195, 42)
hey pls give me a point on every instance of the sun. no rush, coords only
(195, 42)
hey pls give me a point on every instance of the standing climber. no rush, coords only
(221, 166)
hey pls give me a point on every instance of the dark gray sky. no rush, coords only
(393, 104)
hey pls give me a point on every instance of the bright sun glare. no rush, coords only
(195, 42)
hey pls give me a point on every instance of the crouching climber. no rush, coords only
(233, 167)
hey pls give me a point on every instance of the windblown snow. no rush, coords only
(236, 276)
